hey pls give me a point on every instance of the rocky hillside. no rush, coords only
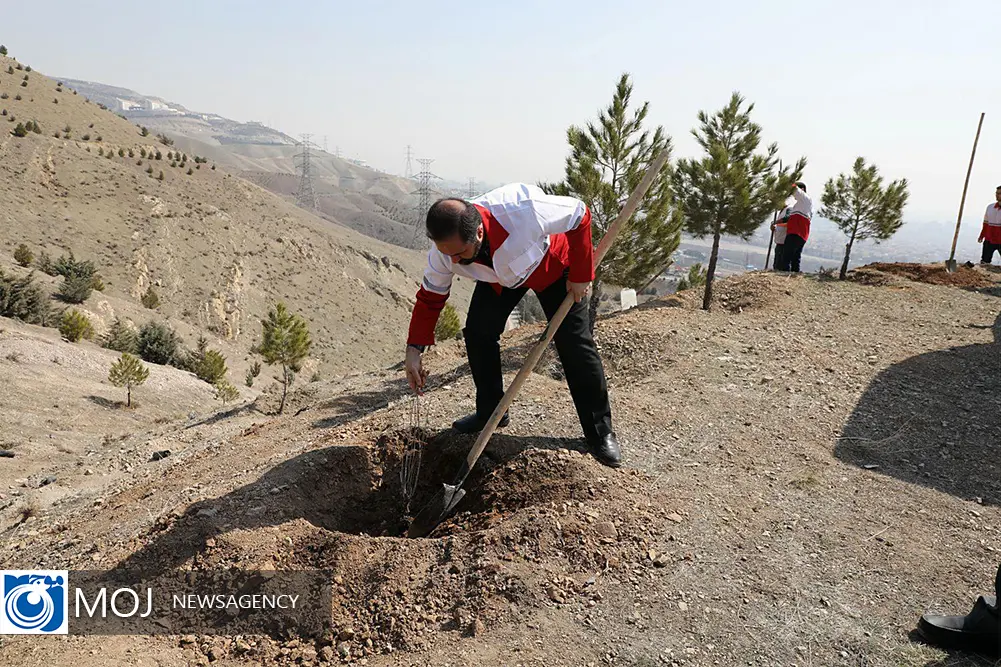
(218, 249)
(809, 467)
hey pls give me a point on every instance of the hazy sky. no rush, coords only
(488, 89)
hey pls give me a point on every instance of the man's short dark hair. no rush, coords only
(801, 185)
(451, 216)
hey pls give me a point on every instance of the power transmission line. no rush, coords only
(409, 173)
(305, 196)
(424, 196)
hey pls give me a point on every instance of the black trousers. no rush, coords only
(988, 252)
(792, 252)
(780, 256)
(488, 312)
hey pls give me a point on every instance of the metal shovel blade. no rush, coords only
(436, 511)
(950, 265)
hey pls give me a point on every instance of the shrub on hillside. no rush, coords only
(19, 131)
(22, 299)
(3, 50)
(158, 343)
(121, 338)
(160, 177)
(252, 373)
(226, 392)
(23, 255)
(24, 84)
(149, 170)
(69, 266)
(121, 152)
(86, 137)
(75, 325)
(208, 365)
(150, 298)
(448, 326)
(44, 264)
(76, 289)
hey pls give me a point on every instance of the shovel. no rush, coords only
(442, 504)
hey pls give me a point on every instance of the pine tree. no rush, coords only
(22, 299)
(732, 190)
(607, 161)
(448, 325)
(23, 255)
(252, 373)
(128, 372)
(208, 365)
(158, 343)
(696, 277)
(285, 341)
(150, 298)
(121, 338)
(74, 325)
(863, 209)
(226, 392)
(76, 288)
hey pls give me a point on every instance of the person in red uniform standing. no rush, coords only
(510, 240)
(990, 235)
(797, 228)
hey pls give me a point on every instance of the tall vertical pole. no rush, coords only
(951, 263)
(775, 218)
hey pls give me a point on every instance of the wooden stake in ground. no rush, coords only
(768, 255)
(950, 264)
(439, 506)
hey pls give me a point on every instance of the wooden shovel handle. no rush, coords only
(557, 319)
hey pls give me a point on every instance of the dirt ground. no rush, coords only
(809, 467)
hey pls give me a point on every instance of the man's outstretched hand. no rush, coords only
(579, 290)
(416, 375)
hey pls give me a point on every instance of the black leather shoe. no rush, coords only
(605, 448)
(979, 631)
(474, 423)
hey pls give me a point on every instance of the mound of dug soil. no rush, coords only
(532, 531)
(756, 291)
(927, 273)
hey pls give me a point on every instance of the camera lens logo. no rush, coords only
(34, 602)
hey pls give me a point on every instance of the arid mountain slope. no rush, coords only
(218, 249)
